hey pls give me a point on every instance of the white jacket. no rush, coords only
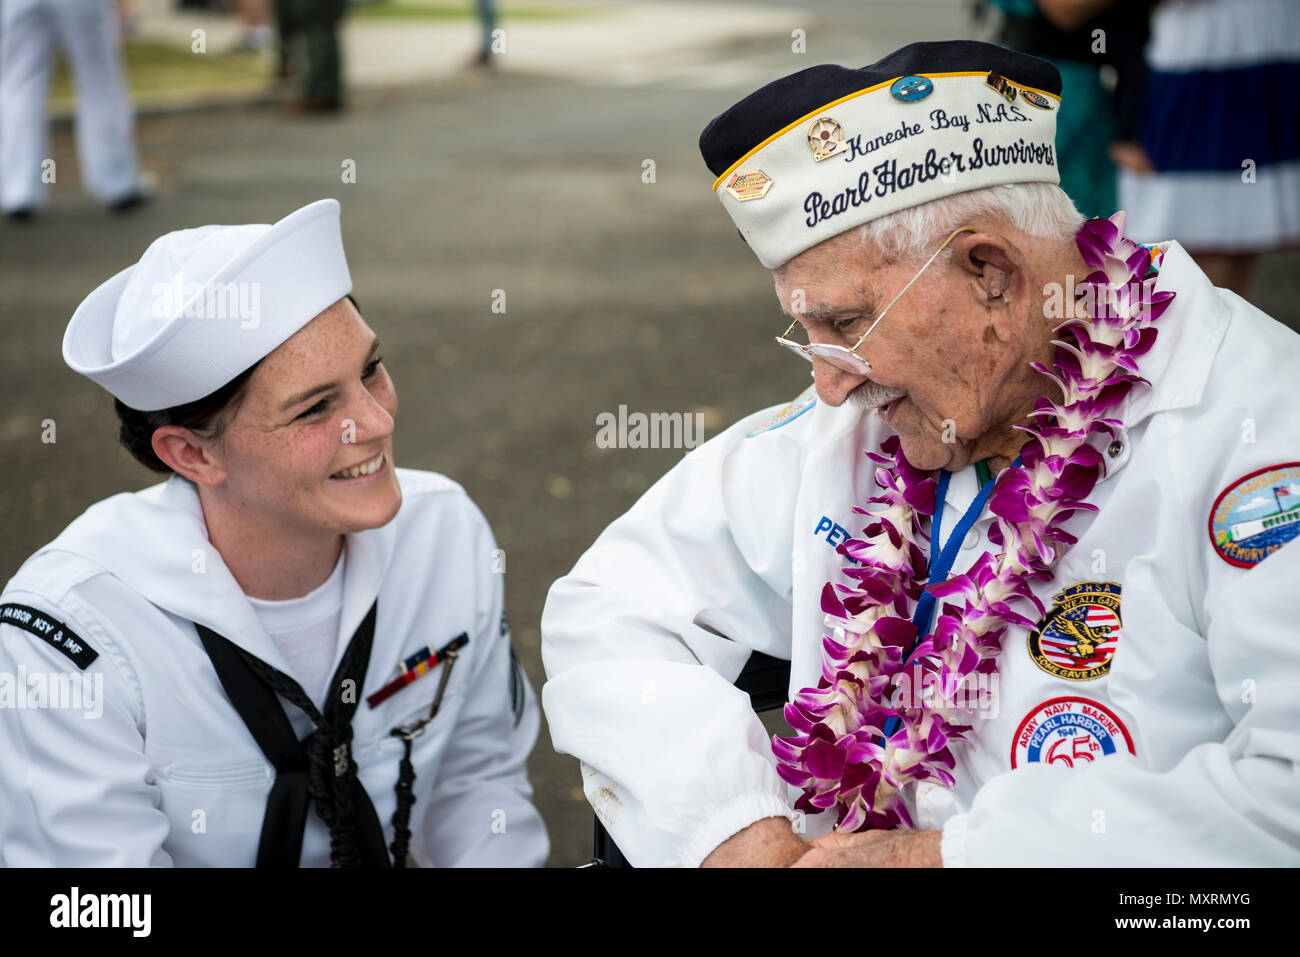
(729, 552)
(167, 773)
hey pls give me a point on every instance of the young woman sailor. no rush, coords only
(298, 650)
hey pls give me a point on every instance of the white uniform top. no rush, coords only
(306, 630)
(86, 33)
(168, 773)
(729, 552)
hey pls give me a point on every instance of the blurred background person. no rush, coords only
(128, 20)
(86, 31)
(1085, 39)
(309, 43)
(487, 21)
(1219, 168)
(255, 33)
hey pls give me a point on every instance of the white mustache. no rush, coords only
(872, 395)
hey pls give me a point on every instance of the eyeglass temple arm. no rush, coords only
(959, 229)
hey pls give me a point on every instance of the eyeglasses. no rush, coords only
(847, 359)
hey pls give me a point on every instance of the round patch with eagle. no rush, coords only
(1076, 639)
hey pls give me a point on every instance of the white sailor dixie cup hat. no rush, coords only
(829, 148)
(202, 305)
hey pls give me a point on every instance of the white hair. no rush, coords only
(1041, 210)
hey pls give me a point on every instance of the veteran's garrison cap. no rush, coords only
(829, 148)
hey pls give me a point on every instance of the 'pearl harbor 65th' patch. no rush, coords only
(1069, 731)
(1256, 515)
(1077, 638)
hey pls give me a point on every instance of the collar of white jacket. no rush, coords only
(204, 304)
(170, 561)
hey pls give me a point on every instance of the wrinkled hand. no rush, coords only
(874, 849)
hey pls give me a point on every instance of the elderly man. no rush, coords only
(1024, 542)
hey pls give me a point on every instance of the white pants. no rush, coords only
(86, 30)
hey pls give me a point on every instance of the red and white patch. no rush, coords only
(1256, 515)
(1070, 731)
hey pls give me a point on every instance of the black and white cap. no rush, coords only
(829, 148)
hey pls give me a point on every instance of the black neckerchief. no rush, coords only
(319, 769)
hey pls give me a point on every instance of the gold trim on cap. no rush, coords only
(844, 99)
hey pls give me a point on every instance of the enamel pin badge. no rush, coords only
(1035, 99)
(1002, 85)
(826, 138)
(752, 185)
(910, 89)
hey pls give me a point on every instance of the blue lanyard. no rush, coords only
(941, 559)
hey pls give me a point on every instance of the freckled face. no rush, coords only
(319, 405)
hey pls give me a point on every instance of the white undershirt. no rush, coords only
(306, 631)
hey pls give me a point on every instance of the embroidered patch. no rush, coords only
(806, 400)
(50, 630)
(1068, 731)
(1256, 515)
(1077, 638)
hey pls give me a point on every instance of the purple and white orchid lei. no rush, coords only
(840, 757)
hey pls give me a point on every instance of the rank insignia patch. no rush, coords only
(1070, 732)
(826, 138)
(1077, 638)
(752, 185)
(1256, 515)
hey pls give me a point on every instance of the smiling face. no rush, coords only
(949, 361)
(309, 448)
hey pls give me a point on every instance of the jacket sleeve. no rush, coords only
(75, 785)
(1225, 803)
(644, 638)
(480, 811)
